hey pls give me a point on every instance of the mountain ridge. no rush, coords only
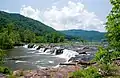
(85, 34)
(24, 22)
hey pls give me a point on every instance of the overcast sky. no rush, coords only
(62, 14)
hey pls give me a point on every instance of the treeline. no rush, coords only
(10, 36)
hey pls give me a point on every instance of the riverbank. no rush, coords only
(60, 72)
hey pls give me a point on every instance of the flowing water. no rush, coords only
(25, 58)
(34, 58)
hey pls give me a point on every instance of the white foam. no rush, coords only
(51, 62)
(57, 47)
(25, 46)
(31, 52)
(40, 67)
(67, 54)
(47, 51)
(18, 61)
(56, 66)
(36, 47)
(41, 49)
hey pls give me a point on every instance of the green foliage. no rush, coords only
(54, 38)
(115, 54)
(113, 25)
(28, 29)
(27, 36)
(90, 72)
(11, 76)
(16, 29)
(108, 69)
(23, 23)
(5, 70)
(2, 55)
(103, 56)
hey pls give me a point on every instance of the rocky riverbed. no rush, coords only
(76, 56)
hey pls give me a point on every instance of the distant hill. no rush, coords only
(18, 29)
(84, 34)
(22, 22)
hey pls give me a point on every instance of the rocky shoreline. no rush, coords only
(60, 72)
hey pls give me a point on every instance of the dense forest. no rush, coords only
(16, 29)
(86, 35)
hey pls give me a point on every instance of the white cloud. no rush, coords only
(6, 11)
(28, 11)
(72, 16)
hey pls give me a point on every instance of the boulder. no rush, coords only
(38, 47)
(59, 51)
(18, 73)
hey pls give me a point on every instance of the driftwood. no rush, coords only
(79, 62)
(85, 63)
(67, 64)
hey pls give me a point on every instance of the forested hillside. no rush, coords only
(15, 29)
(86, 35)
(22, 23)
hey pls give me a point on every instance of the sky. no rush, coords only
(62, 14)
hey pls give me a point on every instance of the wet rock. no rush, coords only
(60, 72)
(38, 47)
(45, 49)
(117, 62)
(82, 52)
(59, 51)
(2, 75)
(86, 47)
(18, 73)
(30, 45)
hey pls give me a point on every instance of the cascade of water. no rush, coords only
(25, 46)
(67, 54)
(41, 49)
(62, 53)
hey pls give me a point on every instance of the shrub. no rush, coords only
(5, 70)
(2, 55)
(90, 72)
(103, 56)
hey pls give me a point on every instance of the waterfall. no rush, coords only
(48, 51)
(41, 50)
(62, 53)
(25, 46)
(36, 47)
(67, 54)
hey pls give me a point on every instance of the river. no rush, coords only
(30, 59)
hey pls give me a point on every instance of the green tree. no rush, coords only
(113, 25)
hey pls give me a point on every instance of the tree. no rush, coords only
(113, 25)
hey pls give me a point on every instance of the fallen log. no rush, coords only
(67, 64)
(79, 62)
(85, 63)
